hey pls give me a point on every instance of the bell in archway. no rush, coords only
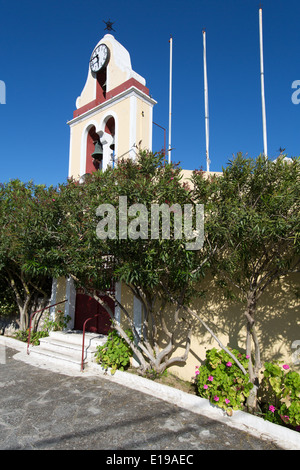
(98, 152)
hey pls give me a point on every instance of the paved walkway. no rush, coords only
(41, 409)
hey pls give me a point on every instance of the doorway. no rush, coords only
(87, 308)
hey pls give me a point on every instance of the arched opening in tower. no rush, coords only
(93, 151)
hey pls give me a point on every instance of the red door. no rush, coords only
(86, 307)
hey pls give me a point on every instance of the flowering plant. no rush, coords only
(221, 380)
(115, 353)
(282, 387)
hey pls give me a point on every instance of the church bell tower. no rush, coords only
(113, 116)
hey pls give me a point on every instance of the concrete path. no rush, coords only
(44, 410)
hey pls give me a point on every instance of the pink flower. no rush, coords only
(285, 366)
(228, 364)
(53, 200)
(247, 356)
(205, 386)
(216, 398)
(197, 372)
(210, 378)
(196, 367)
(227, 401)
(272, 408)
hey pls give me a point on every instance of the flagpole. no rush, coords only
(170, 98)
(262, 84)
(206, 102)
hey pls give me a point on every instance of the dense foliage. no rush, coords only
(254, 225)
(115, 353)
(28, 222)
(222, 382)
(251, 238)
(280, 394)
(152, 268)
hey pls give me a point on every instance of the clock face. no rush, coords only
(99, 58)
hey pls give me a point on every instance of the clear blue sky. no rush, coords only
(45, 47)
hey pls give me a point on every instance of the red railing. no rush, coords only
(32, 315)
(83, 335)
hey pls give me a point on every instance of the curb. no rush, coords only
(258, 427)
(285, 438)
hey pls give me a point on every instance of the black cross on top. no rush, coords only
(109, 25)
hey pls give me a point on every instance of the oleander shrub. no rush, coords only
(280, 390)
(221, 381)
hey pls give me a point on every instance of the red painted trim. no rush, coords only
(85, 108)
(125, 86)
(100, 91)
(110, 126)
(132, 82)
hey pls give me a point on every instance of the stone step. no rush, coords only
(70, 357)
(66, 346)
(75, 337)
(58, 347)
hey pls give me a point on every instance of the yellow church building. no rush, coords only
(114, 119)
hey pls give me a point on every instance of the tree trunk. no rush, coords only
(252, 338)
(24, 316)
(23, 298)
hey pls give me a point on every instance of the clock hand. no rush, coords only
(93, 58)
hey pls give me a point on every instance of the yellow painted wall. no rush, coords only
(187, 174)
(278, 324)
(277, 320)
(143, 123)
(60, 296)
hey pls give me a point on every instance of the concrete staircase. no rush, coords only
(65, 347)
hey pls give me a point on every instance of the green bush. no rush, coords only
(8, 306)
(221, 381)
(35, 336)
(115, 353)
(282, 387)
(60, 323)
(49, 325)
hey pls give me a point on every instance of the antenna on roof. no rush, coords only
(262, 83)
(170, 99)
(206, 102)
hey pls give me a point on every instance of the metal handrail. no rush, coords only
(83, 335)
(32, 315)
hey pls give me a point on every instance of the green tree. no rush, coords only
(27, 218)
(158, 271)
(8, 306)
(254, 222)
